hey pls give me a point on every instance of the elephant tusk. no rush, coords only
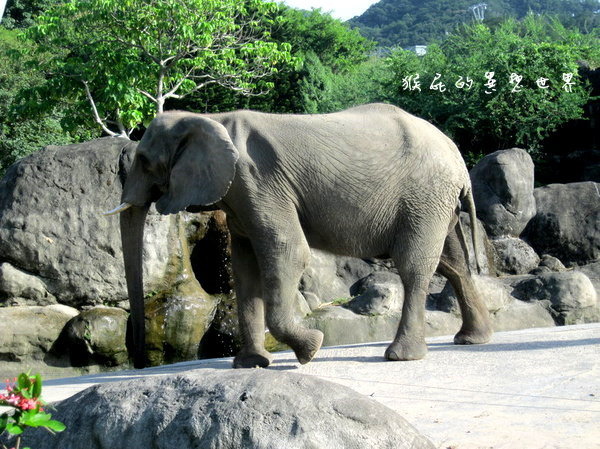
(117, 210)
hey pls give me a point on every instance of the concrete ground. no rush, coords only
(534, 388)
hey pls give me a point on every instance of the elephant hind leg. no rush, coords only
(251, 311)
(416, 255)
(476, 327)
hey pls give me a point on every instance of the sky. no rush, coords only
(341, 9)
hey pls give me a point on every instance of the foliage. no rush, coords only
(24, 397)
(123, 59)
(325, 91)
(505, 115)
(323, 48)
(22, 13)
(338, 47)
(410, 22)
(22, 135)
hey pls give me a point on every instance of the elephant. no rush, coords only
(369, 181)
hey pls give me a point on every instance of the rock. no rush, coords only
(592, 271)
(522, 315)
(552, 263)
(567, 222)
(51, 223)
(380, 293)
(320, 277)
(29, 333)
(540, 270)
(503, 191)
(224, 409)
(22, 288)
(52, 228)
(341, 326)
(570, 294)
(331, 277)
(514, 256)
(97, 336)
(178, 318)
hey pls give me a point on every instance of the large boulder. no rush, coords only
(225, 409)
(523, 315)
(379, 293)
(97, 336)
(56, 246)
(570, 294)
(567, 222)
(20, 288)
(28, 334)
(330, 277)
(503, 191)
(52, 228)
(514, 256)
(592, 271)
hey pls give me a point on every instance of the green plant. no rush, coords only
(24, 396)
(118, 62)
(339, 301)
(527, 60)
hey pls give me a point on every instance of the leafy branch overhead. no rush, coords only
(120, 60)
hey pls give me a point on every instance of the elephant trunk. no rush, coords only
(132, 223)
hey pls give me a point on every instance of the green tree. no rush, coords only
(124, 59)
(22, 13)
(326, 91)
(338, 46)
(324, 50)
(327, 51)
(485, 118)
(22, 135)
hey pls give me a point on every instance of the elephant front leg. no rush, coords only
(251, 312)
(282, 260)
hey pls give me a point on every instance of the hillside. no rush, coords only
(417, 22)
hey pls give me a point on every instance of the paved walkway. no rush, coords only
(535, 388)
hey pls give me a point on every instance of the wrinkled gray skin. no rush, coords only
(371, 181)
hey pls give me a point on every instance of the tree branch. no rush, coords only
(97, 118)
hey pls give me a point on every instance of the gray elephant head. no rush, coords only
(183, 160)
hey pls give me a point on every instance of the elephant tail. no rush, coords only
(469, 204)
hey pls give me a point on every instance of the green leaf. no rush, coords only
(14, 429)
(3, 422)
(24, 384)
(37, 386)
(57, 426)
(35, 419)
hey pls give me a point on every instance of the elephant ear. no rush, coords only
(202, 167)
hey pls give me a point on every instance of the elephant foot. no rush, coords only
(309, 345)
(256, 359)
(473, 336)
(406, 349)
